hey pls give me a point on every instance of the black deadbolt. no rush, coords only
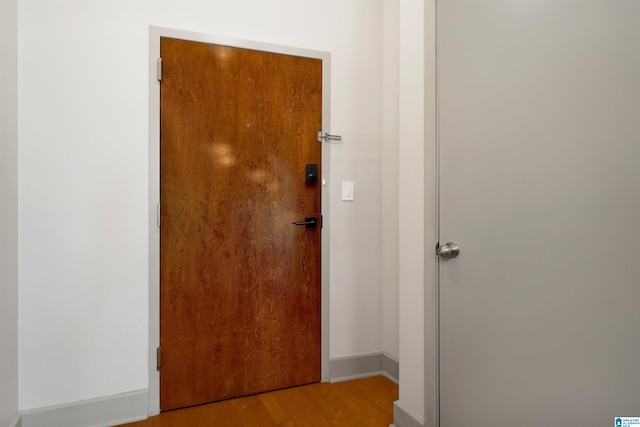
(311, 173)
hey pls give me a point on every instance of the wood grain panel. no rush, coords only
(240, 285)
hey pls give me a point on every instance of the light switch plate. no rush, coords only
(347, 190)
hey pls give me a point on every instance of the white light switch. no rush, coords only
(347, 190)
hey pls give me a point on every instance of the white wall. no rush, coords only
(83, 105)
(416, 213)
(8, 211)
(417, 209)
(390, 257)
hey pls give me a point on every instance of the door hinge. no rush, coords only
(321, 221)
(158, 358)
(158, 214)
(159, 69)
(323, 136)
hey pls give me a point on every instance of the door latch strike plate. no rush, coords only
(326, 137)
(158, 358)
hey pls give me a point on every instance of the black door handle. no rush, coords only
(310, 222)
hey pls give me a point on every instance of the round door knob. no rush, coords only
(448, 250)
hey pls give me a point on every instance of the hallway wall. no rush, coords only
(83, 114)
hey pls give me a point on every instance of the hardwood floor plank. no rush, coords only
(337, 413)
(318, 415)
(370, 413)
(290, 403)
(278, 414)
(366, 402)
(380, 390)
(183, 417)
(222, 414)
(252, 412)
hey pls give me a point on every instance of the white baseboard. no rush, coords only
(391, 367)
(363, 366)
(17, 421)
(404, 418)
(101, 412)
(134, 406)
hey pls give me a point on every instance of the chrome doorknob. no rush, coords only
(448, 250)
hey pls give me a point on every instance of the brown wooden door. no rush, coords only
(239, 283)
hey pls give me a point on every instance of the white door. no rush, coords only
(539, 130)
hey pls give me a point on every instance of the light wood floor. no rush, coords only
(366, 402)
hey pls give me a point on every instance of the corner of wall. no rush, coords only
(413, 209)
(9, 212)
(389, 179)
(17, 421)
(363, 366)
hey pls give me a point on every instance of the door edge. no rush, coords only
(432, 222)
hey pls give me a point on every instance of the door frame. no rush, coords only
(155, 33)
(432, 220)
